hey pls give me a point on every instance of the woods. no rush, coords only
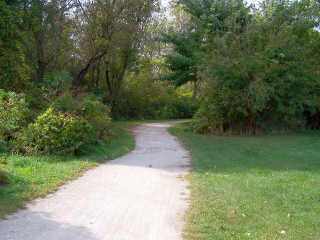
(250, 68)
(77, 76)
(65, 67)
(258, 66)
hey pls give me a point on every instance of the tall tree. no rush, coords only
(257, 65)
(111, 34)
(14, 70)
(48, 36)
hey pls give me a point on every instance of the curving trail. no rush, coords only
(140, 196)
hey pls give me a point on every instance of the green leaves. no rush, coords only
(13, 114)
(63, 127)
(257, 66)
(183, 62)
(14, 71)
(54, 133)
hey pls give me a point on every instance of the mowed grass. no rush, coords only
(32, 177)
(265, 187)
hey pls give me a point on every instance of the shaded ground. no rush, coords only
(139, 196)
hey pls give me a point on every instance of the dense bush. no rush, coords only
(13, 114)
(147, 99)
(178, 107)
(265, 87)
(54, 133)
(65, 126)
(87, 107)
(98, 115)
(259, 69)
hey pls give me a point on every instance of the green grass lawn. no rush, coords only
(265, 187)
(32, 177)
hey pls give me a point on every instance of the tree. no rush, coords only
(14, 70)
(112, 33)
(257, 65)
(48, 37)
(262, 75)
(184, 60)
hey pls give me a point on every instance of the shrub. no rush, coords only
(148, 99)
(13, 114)
(97, 114)
(56, 82)
(54, 132)
(65, 126)
(183, 107)
(66, 103)
(259, 80)
(88, 108)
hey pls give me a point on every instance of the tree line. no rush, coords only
(89, 44)
(69, 66)
(257, 66)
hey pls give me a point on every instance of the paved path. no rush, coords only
(140, 196)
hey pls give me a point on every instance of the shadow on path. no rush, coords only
(40, 226)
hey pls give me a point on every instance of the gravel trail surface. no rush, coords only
(141, 196)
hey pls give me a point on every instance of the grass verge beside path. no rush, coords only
(32, 177)
(264, 187)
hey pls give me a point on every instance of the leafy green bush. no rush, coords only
(66, 103)
(262, 77)
(56, 82)
(65, 126)
(98, 115)
(13, 114)
(147, 99)
(184, 107)
(54, 133)
(89, 108)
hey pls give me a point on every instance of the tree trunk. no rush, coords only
(114, 83)
(42, 64)
(85, 70)
(195, 89)
(97, 80)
